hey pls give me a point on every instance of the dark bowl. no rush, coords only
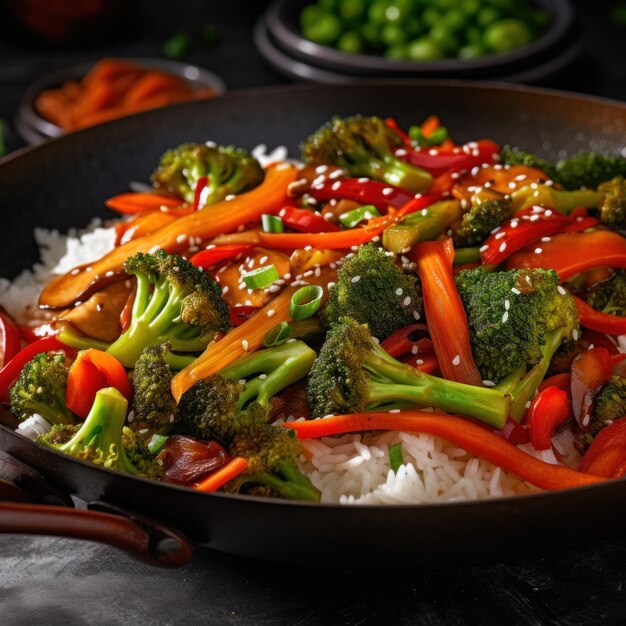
(282, 22)
(34, 128)
(76, 172)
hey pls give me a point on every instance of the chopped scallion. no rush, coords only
(395, 456)
(305, 302)
(156, 443)
(277, 335)
(272, 223)
(261, 277)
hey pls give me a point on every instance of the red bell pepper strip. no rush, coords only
(599, 321)
(549, 409)
(241, 314)
(10, 372)
(305, 221)
(135, 203)
(610, 463)
(400, 342)
(444, 310)
(590, 371)
(91, 371)
(209, 257)
(514, 432)
(612, 436)
(337, 240)
(10, 338)
(203, 181)
(527, 226)
(426, 363)
(572, 253)
(395, 127)
(469, 436)
(437, 161)
(381, 195)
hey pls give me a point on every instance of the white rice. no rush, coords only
(351, 469)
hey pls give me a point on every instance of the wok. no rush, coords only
(62, 184)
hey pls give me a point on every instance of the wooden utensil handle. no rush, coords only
(141, 538)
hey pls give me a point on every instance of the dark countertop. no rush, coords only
(57, 581)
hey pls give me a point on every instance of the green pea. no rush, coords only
(430, 17)
(398, 11)
(393, 34)
(352, 10)
(442, 35)
(487, 15)
(471, 51)
(377, 12)
(396, 53)
(455, 19)
(350, 42)
(325, 31)
(424, 49)
(506, 35)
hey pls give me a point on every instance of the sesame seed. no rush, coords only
(489, 383)
(387, 191)
(226, 289)
(545, 239)
(406, 301)
(561, 290)
(39, 390)
(416, 315)
(419, 362)
(575, 334)
(414, 350)
(516, 291)
(548, 213)
(586, 420)
(500, 235)
(528, 405)
(248, 303)
(244, 344)
(505, 317)
(336, 174)
(538, 250)
(502, 247)
(171, 418)
(363, 179)
(131, 416)
(143, 431)
(394, 411)
(262, 376)
(355, 279)
(181, 238)
(271, 313)
(399, 291)
(425, 212)
(483, 248)
(242, 381)
(336, 185)
(320, 169)
(507, 305)
(318, 272)
(495, 230)
(456, 360)
(330, 285)
(292, 340)
(274, 288)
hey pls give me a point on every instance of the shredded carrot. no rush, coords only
(223, 475)
(430, 125)
(222, 217)
(473, 438)
(133, 203)
(247, 337)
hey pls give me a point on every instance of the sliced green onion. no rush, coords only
(395, 457)
(416, 134)
(261, 277)
(466, 255)
(438, 136)
(156, 443)
(278, 335)
(356, 216)
(272, 223)
(305, 302)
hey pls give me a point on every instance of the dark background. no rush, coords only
(56, 581)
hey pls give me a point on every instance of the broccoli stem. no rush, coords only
(288, 483)
(55, 414)
(487, 405)
(80, 342)
(562, 201)
(463, 256)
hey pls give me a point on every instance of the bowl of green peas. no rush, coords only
(482, 38)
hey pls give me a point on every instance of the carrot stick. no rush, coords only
(247, 337)
(448, 325)
(430, 125)
(223, 475)
(222, 217)
(473, 438)
(133, 203)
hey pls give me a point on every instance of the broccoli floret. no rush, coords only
(610, 404)
(174, 303)
(372, 289)
(272, 469)
(142, 454)
(228, 169)
(353, 373)
(40, 389)
(481, 219)
(60, 434)
(99, 439)
(613, 203)
(217, 407)
(364, 146)
(154, 408)
(610, 296)
(515, 156)
(589, 169)
(517, 321)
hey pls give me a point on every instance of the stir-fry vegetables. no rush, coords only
(466, 292)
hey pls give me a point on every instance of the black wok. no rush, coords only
(63, 183)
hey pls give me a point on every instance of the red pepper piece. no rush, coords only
(10, 372)
(203, 181)
(514, 432)
(10, 338)
(305, 221)
(241, 314)
(448, 325)
(437, 161)
(610, 463)
(404, 340)
(426, 362)
(610, 437)
(602, 248)
(91, 371)
(549, 409)
(590, 371)
(599, 321)
(524, 228)
(562, 381)
(373, 192)
(395, 127)
(133, 203)
(208, 258)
